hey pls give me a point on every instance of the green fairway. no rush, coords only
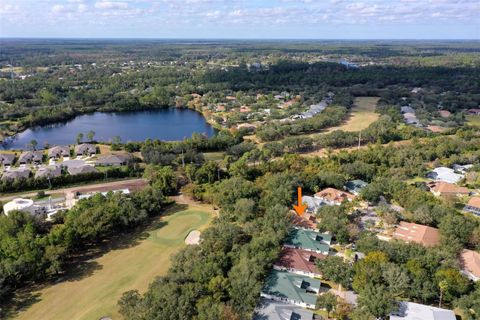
(362, 115)
(132, 264)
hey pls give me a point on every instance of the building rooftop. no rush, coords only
(355, 186)
(470, 261)
(274, 310)
(416, 311)
(334, 195)
(309, 240)
(412, 232)
(445, 174)
(446, 188)
(299, 259)
(292, 286)
(474, 202)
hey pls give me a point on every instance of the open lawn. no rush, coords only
(131, 262)
(361, 116)
(473, 120)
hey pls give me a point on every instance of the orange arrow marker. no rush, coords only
(300, 208)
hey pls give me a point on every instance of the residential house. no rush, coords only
(299, 261)
(276, 310)
(291, 288)
(220, 108)
(421, 234)
(17, 173)
(445, 113)
(474, 112)
(309, 240)
(58, 151)
(355, 186)
(440, 188)
(334, 196)
(85, 149)
(306, 221)
(462, 168)
(81, 170)
(407, 109)
(114, 160)
(470, 261)
(312, 203)
(31, 157)
(445, 174)
(245, 109)
(48, 172)
(410, 118)
(416, 311)
(7, 159)
(473, 206)
(313, 110)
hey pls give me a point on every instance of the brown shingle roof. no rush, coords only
(470, 261)
(334, 195)
(412, 232)
(307, 221)
(299, 259)
(474, 202)
(447, 188)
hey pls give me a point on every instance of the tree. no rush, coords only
(90, 135)
(34, 144)
(377, 300)
(335, 269)
(327, 301)
(79, 138)
(396, 279)
(161, 178)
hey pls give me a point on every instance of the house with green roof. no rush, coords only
(355, 186)
(309, 240)
(291, 288)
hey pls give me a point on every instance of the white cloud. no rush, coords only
(111, 5)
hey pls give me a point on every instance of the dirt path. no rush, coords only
(132, 184)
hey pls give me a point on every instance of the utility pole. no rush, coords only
(359, 139)
(183, 160)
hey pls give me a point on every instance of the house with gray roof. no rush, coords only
(7, 159)
(31, 157)
(58, 151)
(416, 311)
(17, 173)
(291, 288)
(312, 203)
(114, 160)
(276, 310)
(48, 172)
(355, 186)
(85, 149)
(81, 170)
(445, 174)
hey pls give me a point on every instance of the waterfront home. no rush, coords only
(291, 288)
(31, 157)
(16, 173)
(309, 240)
(412, 232)
(85, 149)
(416, 311)
(276, 310)
(299, 261)
(114, 160)
(7, 159)
(58, 151)
(355, 186)
(52, 171)
(334, 196)
(470, 262)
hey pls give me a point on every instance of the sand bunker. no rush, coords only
(193, 237)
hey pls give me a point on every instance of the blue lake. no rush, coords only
(164, 124)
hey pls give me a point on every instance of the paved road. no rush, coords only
(133, 184)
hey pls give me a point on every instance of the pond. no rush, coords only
(164, 124)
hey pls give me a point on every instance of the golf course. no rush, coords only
(92, 291)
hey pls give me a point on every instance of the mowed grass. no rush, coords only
(473, 120)
(361, 116)
(131, 266)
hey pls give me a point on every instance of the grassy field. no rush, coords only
(132, 263)
(361, 116)
(473, 120)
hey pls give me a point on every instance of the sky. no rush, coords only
(241, 19)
